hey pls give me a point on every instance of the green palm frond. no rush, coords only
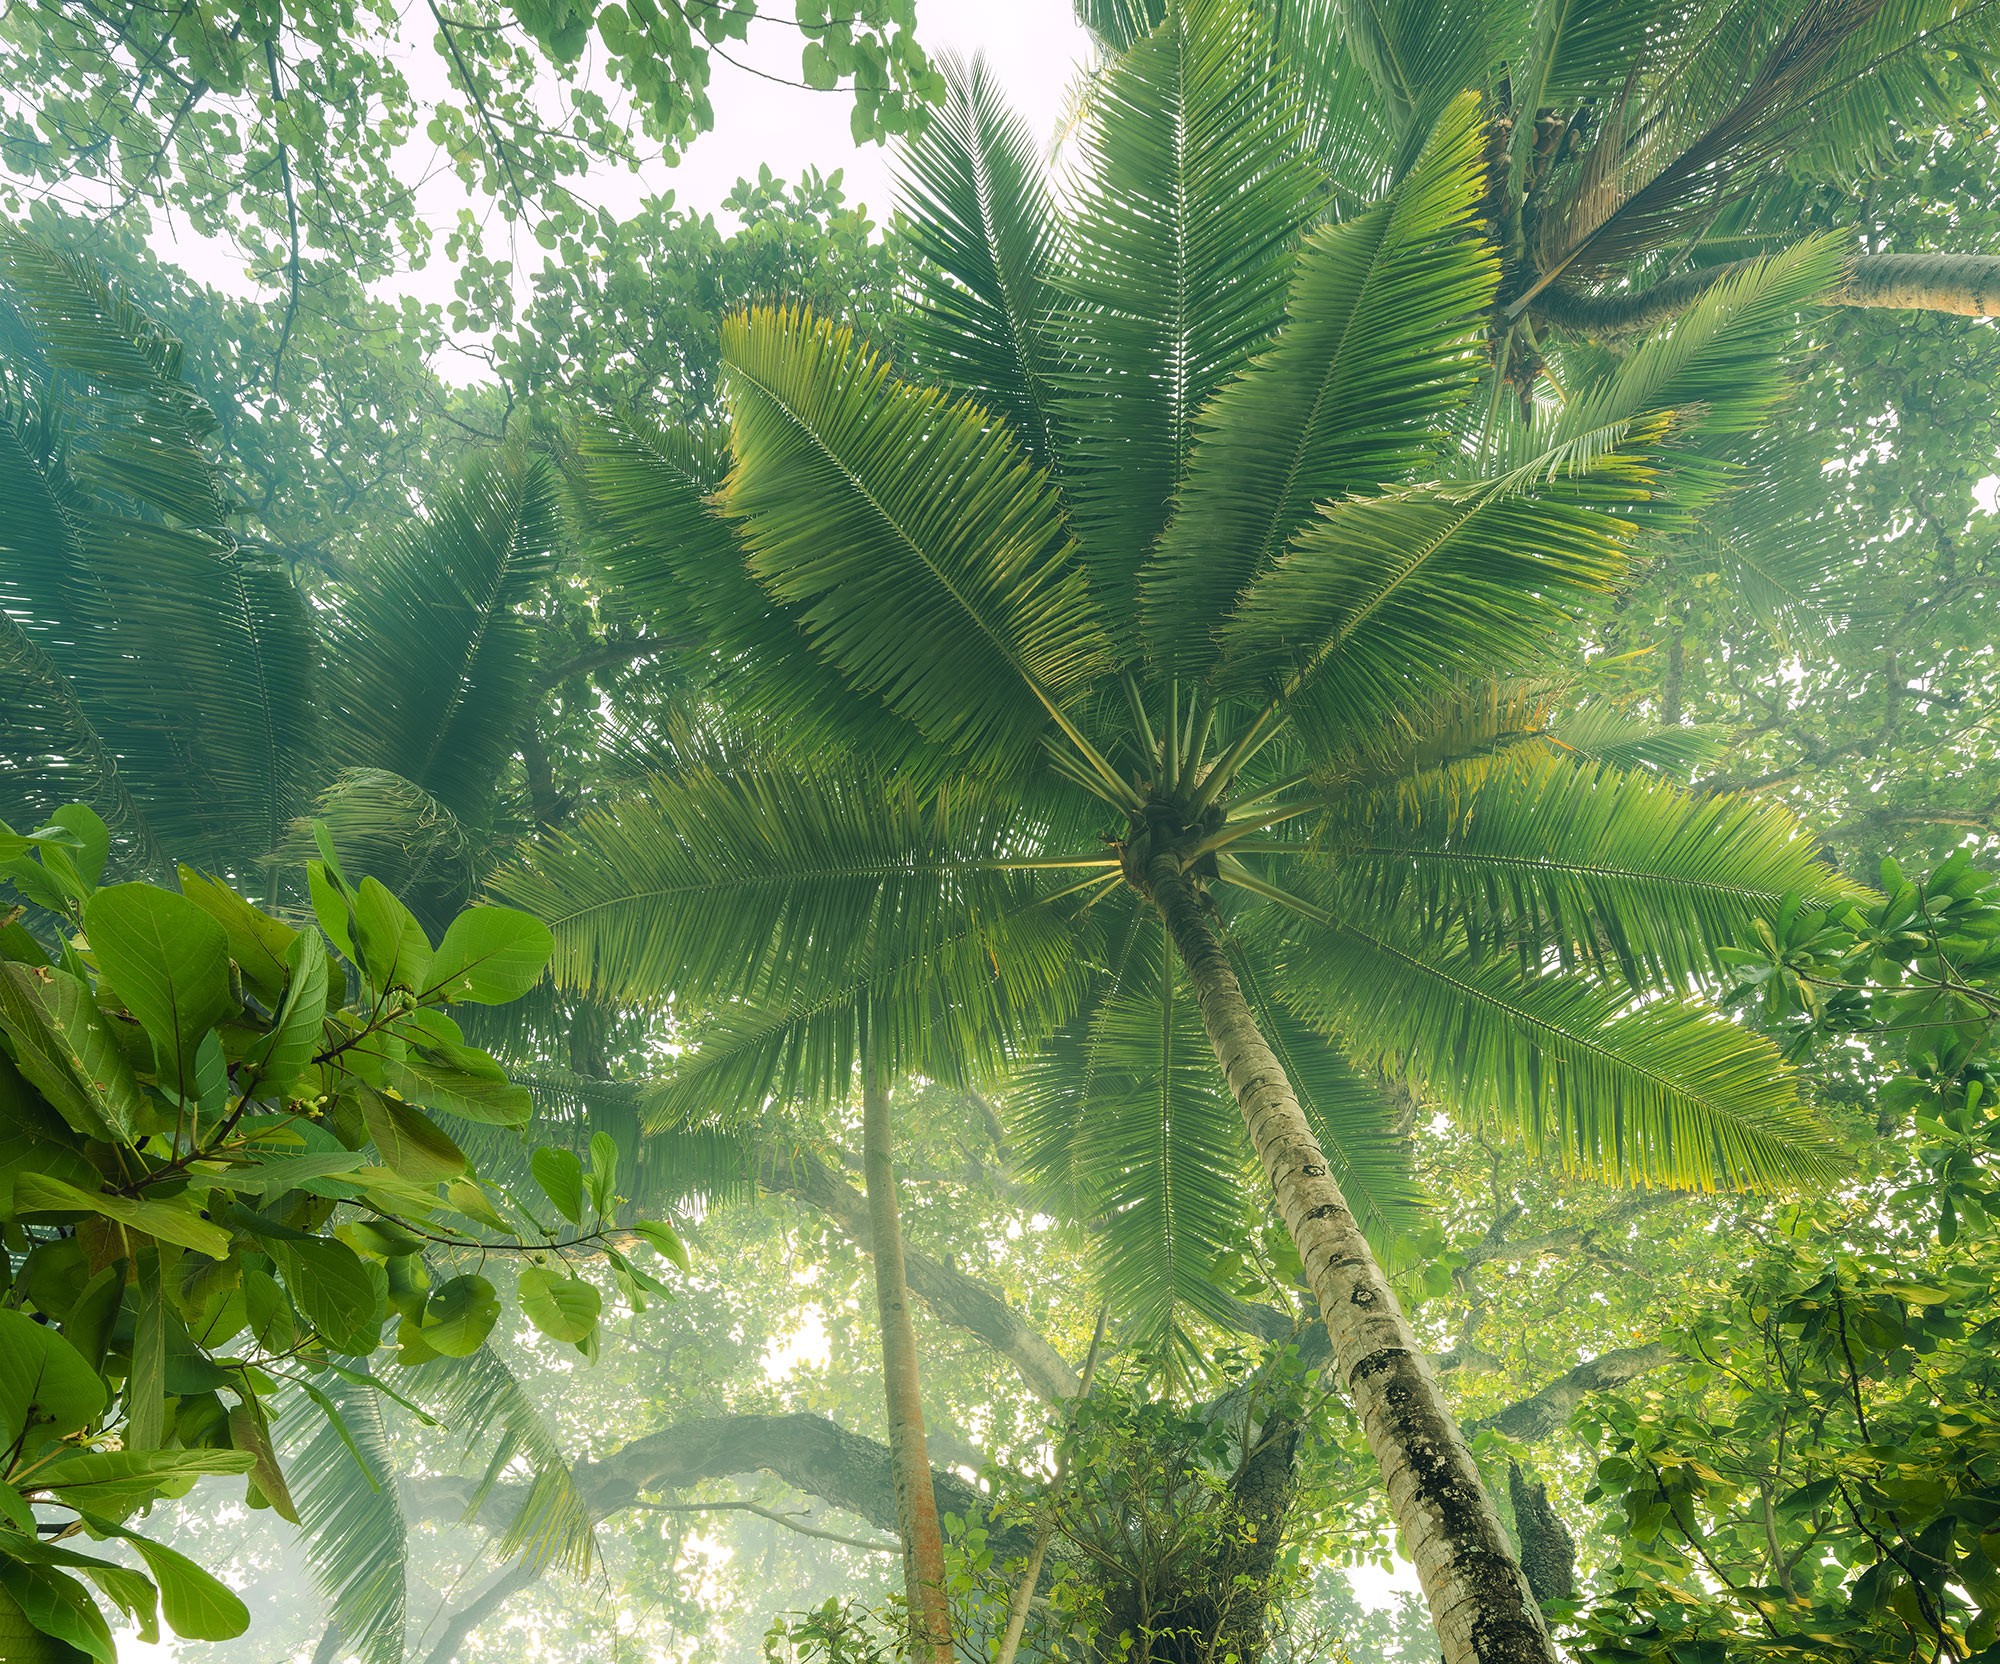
(1792, 550)
(656, 533)
(1655, 1091)
(1349, 128)
(921, 553)
(1128, 1100)
(1195, 192)
(351, 1525)
(1421, 54)
(1531, 854)
(397, 833)
(1118, 25)
(1721, 360)
(148, 657)
(1708, 111)
(1402, 598)
(479, 1394)
(1905, 70)
(1602, 733)
(981, 220)
(1381, 335)
(959, 1005)
(430, 663)
(761, 881)
(1577, 52)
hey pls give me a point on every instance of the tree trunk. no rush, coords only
(916, 1505)
(1965, 284)
(1479, 1601)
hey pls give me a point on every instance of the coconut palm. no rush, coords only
(1162, 707)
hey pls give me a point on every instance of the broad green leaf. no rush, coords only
(131, 1590)
(88, 842)
(563, 1308)
(285, 1053)
(395, 953)
(176, 1220)
(333, 1292)
(466, 1196)
(330, 907)
(490, 955)
(62, 1043)
(247, 1431)
(114, 1482)
(198, 1607)
(409, 1140)
(169, 962)
(459, 1315)
(58, 1606)
(664, 1238)
(260, 944)
(44, 1381)
(603, 1169)
(488, 1097)
(560, 1174)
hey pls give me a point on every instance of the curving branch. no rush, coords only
(504, 1586)
(1965, 284)
(1544, 1412)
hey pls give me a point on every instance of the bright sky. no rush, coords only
(1036, 48)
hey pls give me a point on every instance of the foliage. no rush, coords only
(1833, 1473)
(228, 1162)
(295, 131)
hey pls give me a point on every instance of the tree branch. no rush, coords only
(1965, 284)
(788, 1521)
(1542, 1413)
(291, 205)
(508, 1583)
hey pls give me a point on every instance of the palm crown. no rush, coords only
(1158, 680)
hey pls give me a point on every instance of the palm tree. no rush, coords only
(1639, 150)
(1181, 671)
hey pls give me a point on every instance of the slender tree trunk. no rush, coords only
(1480, 1602)
(1965, 284)
(916, 1503)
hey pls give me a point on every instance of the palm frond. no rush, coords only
(1118, 25)
(479, 1394)
(959, 1005)
(396, 832)
(922, 554)
(661, 1167)
(1656, 1091)
(778, 882)
(1353, 133)
(655, 532)
(1195, 192)
(1402, 598)
(1128, 1098)
(1421, 54)
(1382, 333)
(353, 1531)
(981, 221)
(430, 663)
(1528, 855)
(189, 664)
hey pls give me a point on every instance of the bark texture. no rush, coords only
(1965, 284)
(1479, 1600)
(916, 1505)
(1548, 1551)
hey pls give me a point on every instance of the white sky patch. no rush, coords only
(1986, 494)
(807, 1344)
(1374, 1588)
(1035, 47)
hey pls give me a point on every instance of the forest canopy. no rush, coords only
(1226, 892)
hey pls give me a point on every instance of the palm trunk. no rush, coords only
(1479, 1601)
(1965, 284)
(909, 1462)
